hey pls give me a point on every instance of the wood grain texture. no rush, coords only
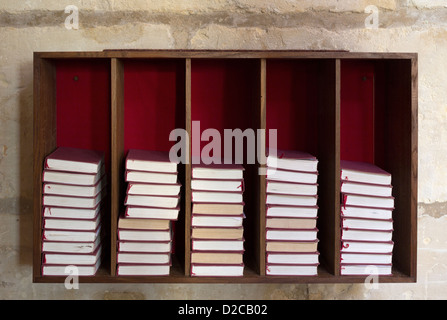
(413, 214)
(228, 54)
(188, 194)
(117, 154)
(401, 158)
(250, 276)
(44, 142)
(328, 222)
(261, 257)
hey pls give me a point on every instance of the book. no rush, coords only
(150, 177)
(143, 258)
(143, 224)
(146, 246)
(366, 212)
(71, 213)
(366, 258)
(72, 258)
(153, 189)
(218, 208)
(150, 160)
(124, 269)
(370, 224)
(216, 221)
(71, 235)
(144, 235)
(291, 200)
(74, 160)
(72, 178)
(364, 172)
(152, 212)
(291, 223)
(217, 171)
(217, 270)
(72, 202)
(291, 246)
(291, 160)
(367, 201)
(292, 235)
(217, 245)
(366, 235)
(291, 188)
(291, 270)
(217, 185)
(73, 247)
(293, 258)
(217, 233)
(215, 196)
(366, 246)
(212, 257)
(365, 269)
(291, 211)
(71, 224)
(74, 190)
(152, 201)
(65, 270)
(274, 174)
(353, 187)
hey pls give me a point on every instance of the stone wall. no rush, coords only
(403, 26)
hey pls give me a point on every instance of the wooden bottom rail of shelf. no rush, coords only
(250, 276)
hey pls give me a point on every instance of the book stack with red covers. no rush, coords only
(74, 188)
(217, 233)
(291, 214)
(366, 219)
(145, 229)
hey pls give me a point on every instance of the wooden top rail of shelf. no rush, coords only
(259, 54)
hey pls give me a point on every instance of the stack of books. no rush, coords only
(145, 229)
(217, 233)
(74, 189)
(366, 219)
(291, 214)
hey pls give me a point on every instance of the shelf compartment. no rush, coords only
(378, 124)
(149, 102)
(301, 105)
(225, 94)
(72, 109)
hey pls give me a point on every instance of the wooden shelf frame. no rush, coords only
(397, 92)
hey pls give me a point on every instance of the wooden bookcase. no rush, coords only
(335, 105)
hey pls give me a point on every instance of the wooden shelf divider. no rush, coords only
(188, 194)
(117, 154)
(261, 256)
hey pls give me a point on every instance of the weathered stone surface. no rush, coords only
(123, 296)
(420, 4)
(185, 6)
